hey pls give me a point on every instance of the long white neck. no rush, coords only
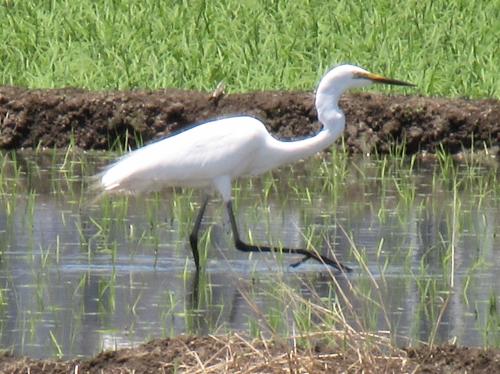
(333, 121)
(328, 93)
(297, 150)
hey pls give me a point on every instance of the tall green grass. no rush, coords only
(448, 48)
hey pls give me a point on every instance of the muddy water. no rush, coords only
(78, 275)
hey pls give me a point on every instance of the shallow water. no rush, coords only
(78, 275)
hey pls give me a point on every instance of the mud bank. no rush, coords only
(234, 354)
(375, 122)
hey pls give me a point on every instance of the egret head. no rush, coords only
(336, 82)
(344, 77)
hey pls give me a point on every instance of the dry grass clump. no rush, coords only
(334, 351)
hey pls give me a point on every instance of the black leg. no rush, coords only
(193, 237)
(242, 246)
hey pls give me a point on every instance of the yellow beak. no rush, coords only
(380, 79)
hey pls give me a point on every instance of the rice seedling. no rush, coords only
(107, 294)
(56, 345)
(490, 329)
(406, 189)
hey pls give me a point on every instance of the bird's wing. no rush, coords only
(193, 157)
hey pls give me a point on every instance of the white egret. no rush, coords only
(214, 153)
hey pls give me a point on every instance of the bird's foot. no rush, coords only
(300, 262)
(323, 260)
(242, 246)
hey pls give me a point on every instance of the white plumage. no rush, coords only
(212, 149)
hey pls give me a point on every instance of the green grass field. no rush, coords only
(448, 48)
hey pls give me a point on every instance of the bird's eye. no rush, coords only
(360, 75)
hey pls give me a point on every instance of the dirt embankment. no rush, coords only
(375, 122)
(234, 354)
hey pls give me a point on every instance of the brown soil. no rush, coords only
(375, 123)
(234, 354)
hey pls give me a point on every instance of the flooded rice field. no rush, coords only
(82, 273)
